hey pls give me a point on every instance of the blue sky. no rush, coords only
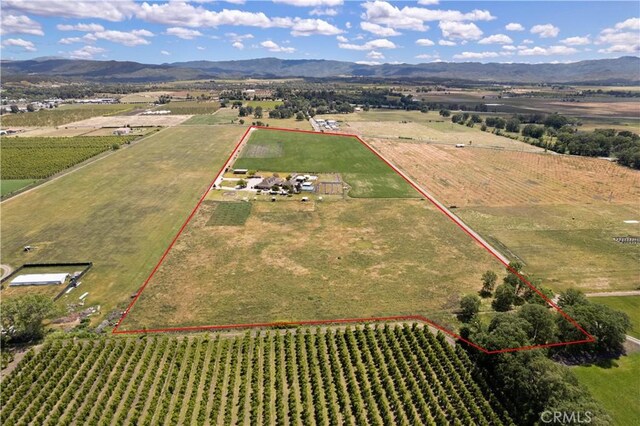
(367, 32)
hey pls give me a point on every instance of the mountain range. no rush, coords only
(624, 70)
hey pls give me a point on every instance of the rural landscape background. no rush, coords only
(320, 212)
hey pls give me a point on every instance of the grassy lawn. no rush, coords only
(62, 115)
(266, 105)
(314, 260)
(120, 212)
(7, 186)
(616, 387)
(367, 175)
(222, 116)
(627, 304)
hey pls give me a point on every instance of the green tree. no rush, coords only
(513, 125)
(469, 307)
(445, 113)
(22, 317)
(555, 121)
(489, 279)
(608, 327)
(15, 109)
(257, 113)
(572, 297)
(31, 108)
(299, 116)
(543, 326)
(503, 298)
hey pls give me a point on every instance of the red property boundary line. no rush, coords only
(589, 338)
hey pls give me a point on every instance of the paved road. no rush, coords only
(445, 210)
(614, 293)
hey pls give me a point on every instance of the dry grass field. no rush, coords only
(483, 177)
(131, 120)
(557, 214)
(292, 261)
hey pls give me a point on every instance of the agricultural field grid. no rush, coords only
(233, 157)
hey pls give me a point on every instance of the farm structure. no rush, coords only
(39, 279)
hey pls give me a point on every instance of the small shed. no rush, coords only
(38, 279)
(122, 131)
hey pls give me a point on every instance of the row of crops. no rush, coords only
(62, 115)
(41, 157)
(363, 376)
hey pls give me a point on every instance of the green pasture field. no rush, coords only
(565, 245)
(8, 186)
(229, 214)
(383, 253)
(615, 386)
(367, 175)
(266, 105)
(120, 212)
(189, 107)
(630, 305)
(221, 116)
(62, 115)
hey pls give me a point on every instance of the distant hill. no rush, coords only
(624, 70)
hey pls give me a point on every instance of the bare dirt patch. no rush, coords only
(133, 121)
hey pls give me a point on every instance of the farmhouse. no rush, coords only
(269, 182)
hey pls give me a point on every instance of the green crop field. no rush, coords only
(399, 375)
(62, 115)
(41, 157)
(615, 386)
(367, 175)
(189, 107)
(630, 305)
(221, 116)
(120, 212)
(266, 105)
(8, 186)
(229, 214)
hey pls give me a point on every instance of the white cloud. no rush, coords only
(239, 37)
(323, 12)
(274, 47)
(183, 33)
(370, 63)
(414, 18)
(447, 43)
(164, 52)
(545, 30)
(381, 43)
(238, 45)
(514, 26)
(527, 41)
(87, 52)
(71, 40)
(426, 56)
(509, 47)
(375, 55)
(87, 28)
(475, 55)
(424, 42)
(307, 27)
(496, 39)
(107, 10)
(236, 1)
(576, 41)
(342, 39)
(201, 48)
(131, 38)
(18, 42)
(428, 2)
(460, 30)
(310, 3)
(548, 51)
(630, 24)
(378, 29)
(347, 24)
(624, 37)
(19, 24)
